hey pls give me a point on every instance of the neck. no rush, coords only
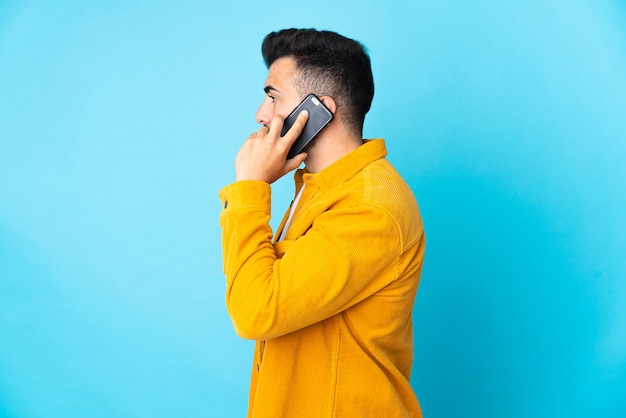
(333, 143)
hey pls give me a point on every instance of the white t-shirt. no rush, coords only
(293, 209)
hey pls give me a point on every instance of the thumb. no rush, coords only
(293, 163)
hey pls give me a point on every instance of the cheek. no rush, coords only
(283, 111)
(286, 108)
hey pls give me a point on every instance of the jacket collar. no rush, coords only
(346, 167)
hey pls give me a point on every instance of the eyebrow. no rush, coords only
(268, 89)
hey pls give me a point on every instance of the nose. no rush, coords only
(264, 114)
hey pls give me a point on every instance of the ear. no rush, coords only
(330, 103)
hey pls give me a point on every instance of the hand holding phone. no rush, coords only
(262, 156)
(319, 117)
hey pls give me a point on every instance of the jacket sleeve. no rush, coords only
(273, 289)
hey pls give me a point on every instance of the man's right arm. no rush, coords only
(348, 255)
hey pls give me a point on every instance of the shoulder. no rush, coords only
(385, 190)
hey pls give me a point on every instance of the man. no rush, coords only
(328, 300)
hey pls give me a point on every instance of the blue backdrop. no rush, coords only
(120, 121)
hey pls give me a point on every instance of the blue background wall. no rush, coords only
(119, 123)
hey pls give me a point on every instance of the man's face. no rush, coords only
(281, 95)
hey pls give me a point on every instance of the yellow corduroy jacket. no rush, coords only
(329, 305)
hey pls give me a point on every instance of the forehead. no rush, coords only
(281, 73)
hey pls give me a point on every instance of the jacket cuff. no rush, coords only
(246, 194)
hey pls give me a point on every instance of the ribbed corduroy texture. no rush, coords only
(330, 306)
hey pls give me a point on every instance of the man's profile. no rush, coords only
(328, 297)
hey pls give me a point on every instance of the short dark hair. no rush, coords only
(327, 64)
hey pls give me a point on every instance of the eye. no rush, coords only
(272, 98)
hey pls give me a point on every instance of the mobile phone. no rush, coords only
(319, 117)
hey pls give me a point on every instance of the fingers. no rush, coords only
(295, 162)
(263, 156)
(298, 125)
(263, 130)
(295, 130)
